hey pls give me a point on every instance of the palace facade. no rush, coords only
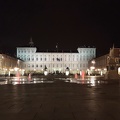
(55, 61)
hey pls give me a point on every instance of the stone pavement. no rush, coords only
(60, 101)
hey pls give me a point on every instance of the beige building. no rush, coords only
(103, 63)
(9, 65)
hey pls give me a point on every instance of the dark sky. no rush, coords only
(71, 24)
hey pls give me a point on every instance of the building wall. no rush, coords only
(102, 63)
(55, 61)
(8, 63)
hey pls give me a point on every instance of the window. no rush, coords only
(28, 65)
(80, 65)
(28, 59)
(83, 65)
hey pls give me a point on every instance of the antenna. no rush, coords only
(57, 47)
(31, 42)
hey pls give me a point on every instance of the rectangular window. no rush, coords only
(28, 65)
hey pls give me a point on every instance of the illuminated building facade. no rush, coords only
(55, 61)
(8, 64)
(107, 62)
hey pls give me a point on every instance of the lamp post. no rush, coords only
(93, 62)
(45, 71)
(93, 66)
(3, 64)
(67, 71)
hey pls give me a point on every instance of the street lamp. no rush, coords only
(67, 71)
(93, 62)
(45, 71)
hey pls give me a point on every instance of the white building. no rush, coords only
(55, 61)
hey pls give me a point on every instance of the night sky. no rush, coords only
(71, 24)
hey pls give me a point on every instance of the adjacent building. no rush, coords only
(106, 62)
(9, 65)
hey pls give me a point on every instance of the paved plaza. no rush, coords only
(60, 100)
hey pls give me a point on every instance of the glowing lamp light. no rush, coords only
(16, 69)
(45, 73)
(67, 73)
(105, 69)
(93, 62)
(92, 67)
